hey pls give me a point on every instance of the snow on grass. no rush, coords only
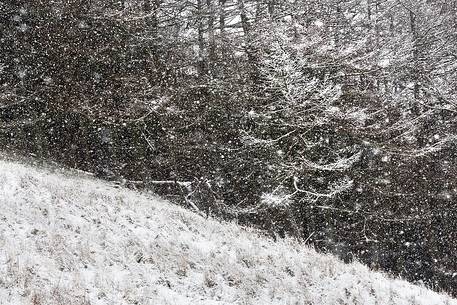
(72, 240)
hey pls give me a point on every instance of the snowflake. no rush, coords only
(318, 23)
(23, 27)
(21, 74)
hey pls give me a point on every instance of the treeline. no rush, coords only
(333, 121)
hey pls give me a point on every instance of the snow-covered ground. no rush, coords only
(68, 239)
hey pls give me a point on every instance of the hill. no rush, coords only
(66, 238)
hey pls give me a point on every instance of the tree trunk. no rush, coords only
(201, 42)
(250, 49)
(211, 36)
(415, 70)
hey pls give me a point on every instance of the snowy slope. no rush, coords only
(73, 240)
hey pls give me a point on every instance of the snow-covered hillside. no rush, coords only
(72, 240)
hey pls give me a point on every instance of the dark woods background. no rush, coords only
(333, 121)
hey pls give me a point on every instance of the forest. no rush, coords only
(331, 121)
